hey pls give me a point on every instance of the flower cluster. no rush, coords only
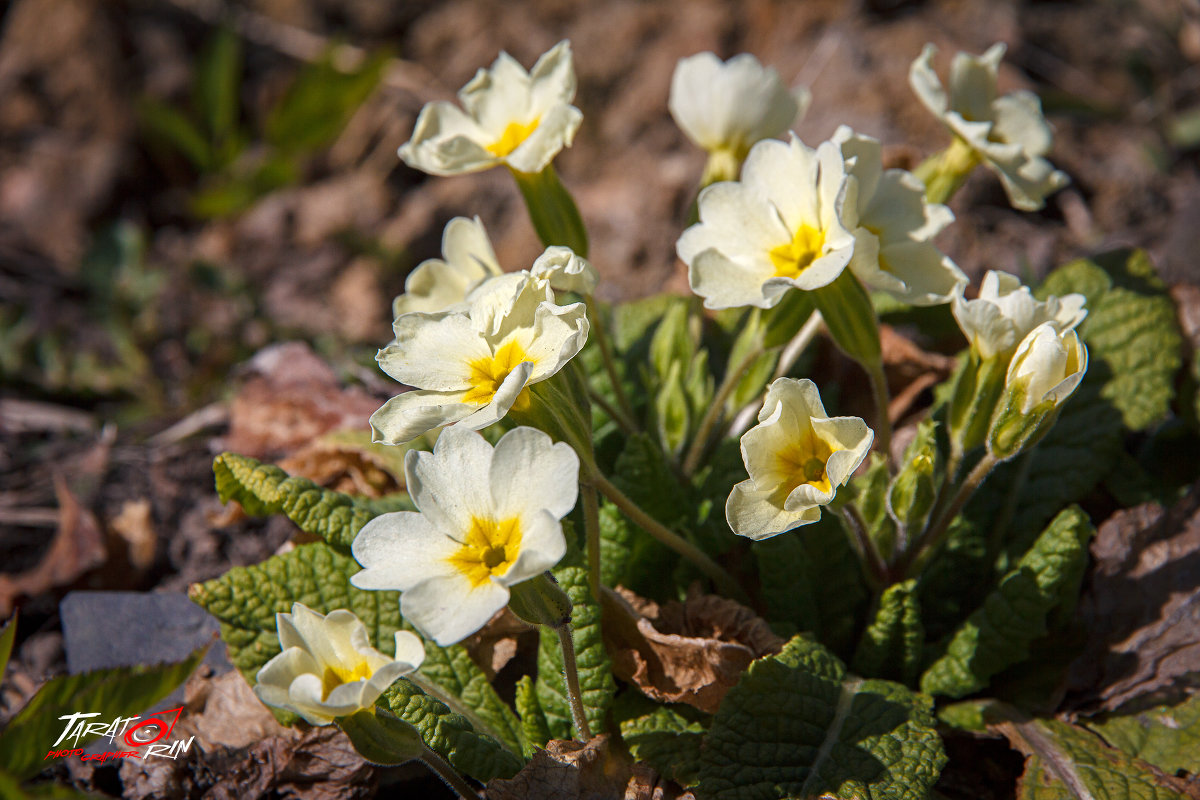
(1005, 312)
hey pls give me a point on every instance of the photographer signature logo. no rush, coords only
(147, 738)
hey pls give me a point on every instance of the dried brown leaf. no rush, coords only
(78, 547)
(911, 368)
(496, 643)
(135, 525)
(691, 652)
(223, 712)
(320, 764)
(1142, 610)
(291, 398)
(568, 770)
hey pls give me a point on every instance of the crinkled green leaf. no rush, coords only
(811, 580)
(891, 645)
(631, 322)
(266, 489)
(667, 741)
(1064, 762)
(999, 633)
(535, 729)
(798, 726)
(450, 735)
(1167, 736)
(595, 667)
(452, 669)
(870, 493)
(1130, 328)
(124, 692)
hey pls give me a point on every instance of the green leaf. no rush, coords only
(1167, 736)
(266, 489)
(1131, 329)
(169, 127)
(7, 634)
(595, 667)
(631, 322)
(382, 738)
(797, 726)
(998, 634)
(320, 102)
(11, 789)
(448, 734)
(1064, 762)
(452, 669)
(812, 581)
(667, 741)
(891, 645)
(123, 692)
(246, 599)
(218, 75)
(534, 726)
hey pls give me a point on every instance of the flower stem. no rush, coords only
(627, 427)
(600, 332)
(552, 210)
(877, 570)
(447, 773)
(457, 706)
(933, 537)
(571, 671)
(883, 425)
(591, 524)
(787, 358)
(715, 409)
(668, 537)
(944, 173)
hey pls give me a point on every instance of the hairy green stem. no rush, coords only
(591, 525)
(627, 427)
(877, 570)
(571, 672)
(936, 533)
(447, 773)
(787, 358)
(668, 537)
(883, 424)
(715, 409)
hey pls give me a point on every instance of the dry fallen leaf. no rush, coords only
(692, 652)
(1142, 610)
(343, 468)
(223, 712)
(495, 644)
(135, 525)
(291, 398)
(910, 367)
(567, 770)
(77, 548)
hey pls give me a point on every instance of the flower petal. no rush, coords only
(446, 141)
(450, 485)
(751, 513)
(542, 546)
(530, 472)
(434, 351)
(448, 608)
(553, 78)
(407, 416)
(401, 549)
(555, 131)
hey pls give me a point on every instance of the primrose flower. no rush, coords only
(892, 251)
(488, 519)
(796, 456)
(726, 107)
(1006, 311)
(471, 364)
(328, 668)
(440, 283)
(1008, 133)
(512, 117)
(1048, 366)
(777, 228)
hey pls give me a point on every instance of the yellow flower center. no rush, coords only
(489, 372)
(336, 675)
(489, 548)
(513, 136)
(805, 461)
(797, 255)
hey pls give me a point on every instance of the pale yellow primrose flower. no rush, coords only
(1006, 311)
(796, 456)
(777, 228)
(727, 107)
(512, 117)
(488, 520)
(1009, 133)
(440, 283)
(472, 363)
(892, 250)
(328, 668)
(1048, 366)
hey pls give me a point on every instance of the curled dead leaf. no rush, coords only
(496, 643)
(1142, 609)
(910, 367)
(568, 770)
(691, 652)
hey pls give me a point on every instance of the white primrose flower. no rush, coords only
(512, 117)
(328, 668)
(1006, 311)
(471, 364)
(892, 250)
(488, 520)
(726, 107)
(1048, 366)
(777, 228)
(1009, 133)
(565, 271)
(796, 456)
(440, 283)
